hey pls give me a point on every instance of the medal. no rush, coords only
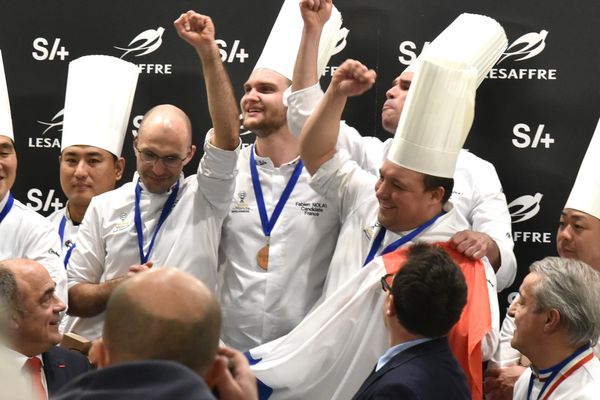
(262, 257)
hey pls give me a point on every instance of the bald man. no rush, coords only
(161, 217)
(34, 313)
(157, 324)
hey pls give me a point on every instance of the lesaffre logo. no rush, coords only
(52, 127)
(522, 209)
(524, 48)
(143, 44)
(527, 46)
(525, 207)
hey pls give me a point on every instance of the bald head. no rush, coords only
(163, 147)
(163, 314)
(34, 307)
(167, 117)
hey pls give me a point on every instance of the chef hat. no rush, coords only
(474, 39)
(279, 53)
(436, 118)
(6, 127)
(585, 195)
(98, 101)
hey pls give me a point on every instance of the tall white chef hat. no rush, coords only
(436, 118)
(98, 102)
(281, 48)
(474, 39)
(6, 127)
(585, 195)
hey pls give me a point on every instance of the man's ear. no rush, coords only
(390, 308)
(99, 355)
(119, 168)
(190, 156)
(214, 372)
(552, 323)
(437, 194)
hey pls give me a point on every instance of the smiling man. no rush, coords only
(273, 207)
(477, 194)
(34, 315)
(23, 232)
(577, 237)
(557, 318)
(161, 217)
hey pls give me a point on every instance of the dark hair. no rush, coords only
(429, 291)
(433, 182)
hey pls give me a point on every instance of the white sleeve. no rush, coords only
(343, 182)
(491, 339)
(366, 151)
(216, 174)
(86, 264)
(44, 247)
(490, 215)
(506, 355)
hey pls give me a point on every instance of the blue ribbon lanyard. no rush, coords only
(399, 242)
(70, 244)
(61, 230)
(554, 372)
(163, 216)
(7, 206)
(267, 225)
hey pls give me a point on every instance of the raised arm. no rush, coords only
(198, 30)
(315, 13)
(319, 136)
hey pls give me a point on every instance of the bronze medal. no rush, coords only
(262, 257)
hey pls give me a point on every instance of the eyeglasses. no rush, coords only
(150, 158)
(384, 283)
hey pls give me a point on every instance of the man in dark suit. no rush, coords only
(424, 302)
(34, 313)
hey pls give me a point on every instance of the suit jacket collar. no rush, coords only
(402, 358)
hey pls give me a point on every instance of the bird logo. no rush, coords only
(144, 43)
(527, 46)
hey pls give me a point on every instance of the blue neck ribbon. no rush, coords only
(399, 242)
(268, 224)
(163, 216)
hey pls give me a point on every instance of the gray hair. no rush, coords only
(10, 300)
(572, 288)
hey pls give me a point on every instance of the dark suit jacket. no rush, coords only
(427, 371)
(138, 380)
(61, 366)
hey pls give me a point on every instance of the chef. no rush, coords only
(279, 235)
(161, 217)
(23, 232)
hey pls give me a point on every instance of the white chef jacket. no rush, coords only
(26, 234)
(583, 384)
(343, 182)
(107, 242)
(68, 239)
(260, 305)
(477, 194)
(338, 342)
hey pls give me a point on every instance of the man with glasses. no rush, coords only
(161, 217)
(419, 363)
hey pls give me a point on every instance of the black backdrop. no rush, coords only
(534, 117)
